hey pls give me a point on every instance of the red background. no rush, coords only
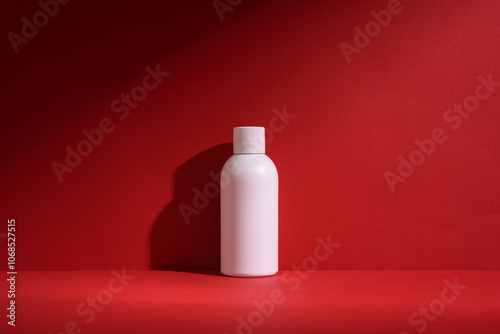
(119, 207)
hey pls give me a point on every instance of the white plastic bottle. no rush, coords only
(249, 207)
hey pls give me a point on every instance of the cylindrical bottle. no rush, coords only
(249, 207)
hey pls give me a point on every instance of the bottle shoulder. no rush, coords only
(250, 165)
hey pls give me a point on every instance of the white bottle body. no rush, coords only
(249, 216)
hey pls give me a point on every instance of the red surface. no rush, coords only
(315, 302)
(119, 207)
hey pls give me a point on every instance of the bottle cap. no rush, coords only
(249, 139)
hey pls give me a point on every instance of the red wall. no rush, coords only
(119, 206)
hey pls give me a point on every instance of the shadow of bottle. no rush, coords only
(186, 234)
